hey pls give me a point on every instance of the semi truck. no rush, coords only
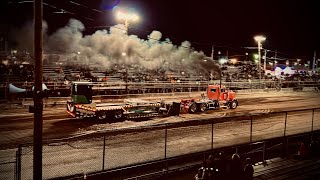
(81, 104)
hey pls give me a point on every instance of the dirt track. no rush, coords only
(86, 156)
(16, 124)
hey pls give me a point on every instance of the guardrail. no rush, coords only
(59, 89)
(110, 150)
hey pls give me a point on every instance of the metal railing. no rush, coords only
(111, 150)
(118, 88)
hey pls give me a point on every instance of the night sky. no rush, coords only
(291, 27)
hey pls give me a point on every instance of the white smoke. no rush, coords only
(107, 48)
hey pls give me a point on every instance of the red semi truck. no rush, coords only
(81, 104)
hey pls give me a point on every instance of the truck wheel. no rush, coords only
(216, 104)
(101, 115)
(233, 104)
(202, 107)
(193, 108)
(118, 114)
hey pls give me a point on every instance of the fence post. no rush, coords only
(212, 136)
(285, 148)
(18, 163)
(312, 120)
(285, 125)
(264, 152)
(103, 152)
(165, 151)
(6, 92)
(251, 119)
(165, 142)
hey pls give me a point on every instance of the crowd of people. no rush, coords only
(308, 149)
(25, 72)
(243, 72)
(220, 168)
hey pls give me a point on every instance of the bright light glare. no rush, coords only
(222, 60)
(234, 60)
(256, 56)
(259, 38)
(121, 15)
(123, 54)
(134, 17)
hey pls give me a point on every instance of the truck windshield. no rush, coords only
(82, 90)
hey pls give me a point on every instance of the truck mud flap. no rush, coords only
(175, 109)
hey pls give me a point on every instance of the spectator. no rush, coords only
(210, 167)
(248, 169)
(236, 171)
(221, 166)
(201, 174)
(302, 152)
(210, 161)
(314, 147)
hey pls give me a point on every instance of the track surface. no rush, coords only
(16, 124)
(85, 156)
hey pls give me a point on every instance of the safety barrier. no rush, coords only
(111, 150)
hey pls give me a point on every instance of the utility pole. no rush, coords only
(259, 63)
(275, 59)
(265, 61)
(212, 53)
(227, 55)
(38, 92)
(314, 60)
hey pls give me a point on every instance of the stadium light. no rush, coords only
(259, 40)
(126, 16)
(222, 61)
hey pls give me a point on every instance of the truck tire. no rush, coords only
(216, 104)
(118, 114)
(101, 115)
(192, 108)
(233, 104)
(201, 107)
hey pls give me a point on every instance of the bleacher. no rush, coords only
(52, 72)
(288, 168)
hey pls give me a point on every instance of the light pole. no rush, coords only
(221, 63)
(126, 16)
(259, 40)
(126, 77)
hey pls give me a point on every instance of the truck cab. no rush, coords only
(222, 95)
(81, 92)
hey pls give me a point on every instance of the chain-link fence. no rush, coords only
(8, 164)
(121, 148)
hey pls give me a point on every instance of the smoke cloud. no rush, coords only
(108, 48)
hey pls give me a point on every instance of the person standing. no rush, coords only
(248, 169)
